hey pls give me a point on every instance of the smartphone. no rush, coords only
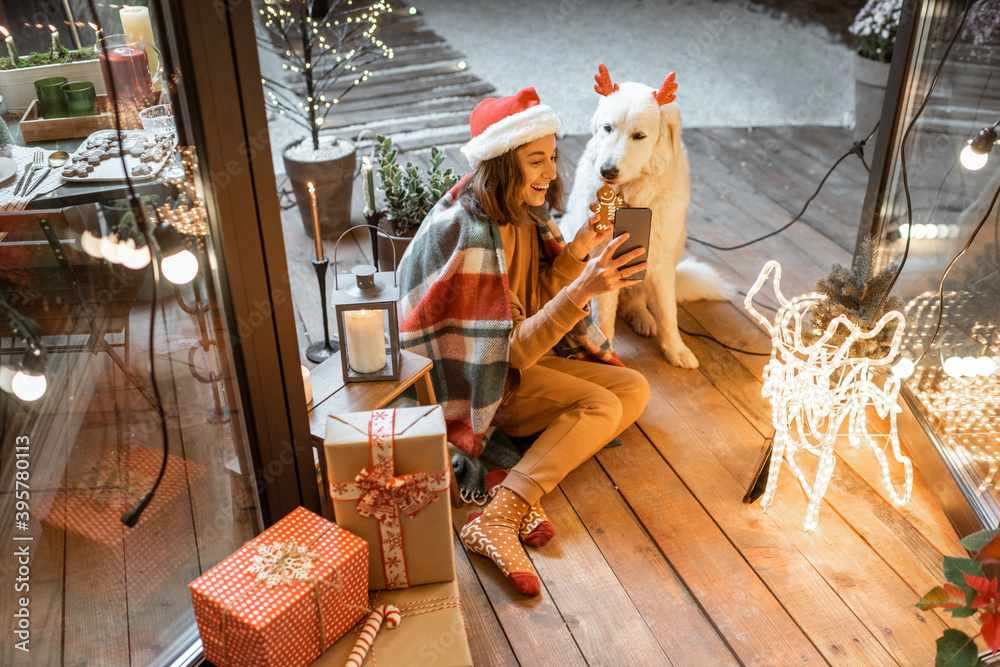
(635, 221)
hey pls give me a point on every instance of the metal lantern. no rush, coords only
(367, 324)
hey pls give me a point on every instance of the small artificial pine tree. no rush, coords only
(856, 293)
(407, 198)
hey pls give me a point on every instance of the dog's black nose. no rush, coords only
(609, 173)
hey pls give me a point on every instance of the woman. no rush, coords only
(498, 302)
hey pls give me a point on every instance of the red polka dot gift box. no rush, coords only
(284, 597)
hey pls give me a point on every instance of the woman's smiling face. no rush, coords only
(537, 160)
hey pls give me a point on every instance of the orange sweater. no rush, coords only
(540, 307)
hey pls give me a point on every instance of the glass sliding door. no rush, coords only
(181, 376)
(946, 212)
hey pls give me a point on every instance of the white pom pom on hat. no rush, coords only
(502, 124)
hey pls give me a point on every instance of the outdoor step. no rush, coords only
(466, 104)
(475, 89)
(390, 91)
(397, 126)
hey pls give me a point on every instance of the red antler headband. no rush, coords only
(603, 79)
(665, 95)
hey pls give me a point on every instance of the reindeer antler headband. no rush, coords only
(665, 95)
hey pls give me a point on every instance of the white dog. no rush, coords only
(636, 148)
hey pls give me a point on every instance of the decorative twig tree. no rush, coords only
(328, 44)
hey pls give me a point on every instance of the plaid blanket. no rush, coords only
(455, 310)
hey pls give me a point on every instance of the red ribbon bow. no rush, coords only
(382, 497)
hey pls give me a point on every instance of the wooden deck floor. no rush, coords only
(656, 561)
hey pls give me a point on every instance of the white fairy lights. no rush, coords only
(961, 392)
(332, 50)
(814, 389)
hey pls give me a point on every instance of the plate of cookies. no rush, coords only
(99, 157)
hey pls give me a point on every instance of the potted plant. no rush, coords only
(968, 593)
(17, 79)
(324, 46)
(874, 31)
(408, 198)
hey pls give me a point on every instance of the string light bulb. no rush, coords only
(178, 264)
(29, 382)
(977, 152)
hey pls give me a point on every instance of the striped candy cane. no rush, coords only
(392, 618)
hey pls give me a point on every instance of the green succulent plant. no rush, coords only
(408, 196)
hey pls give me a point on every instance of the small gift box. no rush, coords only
(389, 476)
(428, 630)
(284, 597)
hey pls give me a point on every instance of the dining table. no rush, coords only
(75, 193)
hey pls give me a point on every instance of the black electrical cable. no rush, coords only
(719, 342)
(902, 156)
(968, 244)
(131, 517)
(856, 149)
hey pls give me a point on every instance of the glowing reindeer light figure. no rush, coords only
(815, 388)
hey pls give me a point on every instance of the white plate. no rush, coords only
(7, 168)
(111, 169)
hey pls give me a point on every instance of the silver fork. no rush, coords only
(37, 162)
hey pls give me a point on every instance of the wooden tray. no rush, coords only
(36, 128)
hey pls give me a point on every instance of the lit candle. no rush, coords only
(365, 340)
(307, 383)
(98, 35)
(315, 213)
(11, 49)
(135, 21)
(369, 185)
(56, 45)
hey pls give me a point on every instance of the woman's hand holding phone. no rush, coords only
(605, 273)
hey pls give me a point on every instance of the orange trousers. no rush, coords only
(577, 407)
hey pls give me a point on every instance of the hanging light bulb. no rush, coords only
(91, 244)
(179, 265)
(977, 152)
(903, 368)
(29, 381)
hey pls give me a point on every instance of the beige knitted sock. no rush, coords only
(536, 529)
(494, 534)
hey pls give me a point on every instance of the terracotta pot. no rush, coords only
(870, 79)
(333, 180)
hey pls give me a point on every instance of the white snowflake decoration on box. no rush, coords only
(814, 389)
(276, 564)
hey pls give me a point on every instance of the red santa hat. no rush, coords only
(502, 124)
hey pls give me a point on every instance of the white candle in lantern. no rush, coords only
(307, 382)
(135, 21)
(365, 340)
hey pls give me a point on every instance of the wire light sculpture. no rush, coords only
(816, 388)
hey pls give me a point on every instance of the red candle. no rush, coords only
(128, 67)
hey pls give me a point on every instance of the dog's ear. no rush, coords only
(670, 127)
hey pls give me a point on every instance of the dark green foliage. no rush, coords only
(39, 59)
(856, 293)
(408, 198)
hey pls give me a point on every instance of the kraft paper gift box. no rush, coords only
(284, 597)
(431, 631)
(388, 478)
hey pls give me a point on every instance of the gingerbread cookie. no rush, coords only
(142, 170)
(608, 201)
